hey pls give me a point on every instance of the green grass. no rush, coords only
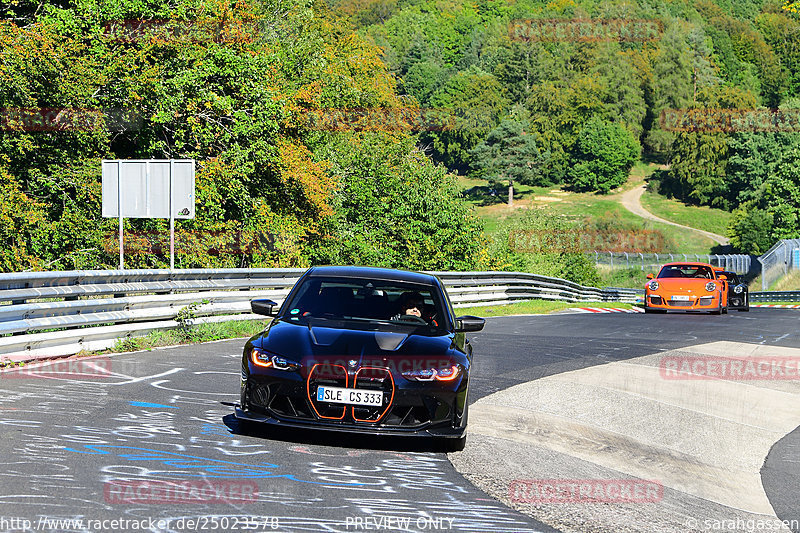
(789, 282)
(580, 206)
(704, 218)
(199, 333)
(629, 278)
(532, 307)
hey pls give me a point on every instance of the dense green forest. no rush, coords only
(231, 85)
(234, 84)
(594, 105)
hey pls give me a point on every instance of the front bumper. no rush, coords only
(409, 408)
(710, 302)
(435, 432)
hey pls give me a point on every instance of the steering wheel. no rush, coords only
(413, 318)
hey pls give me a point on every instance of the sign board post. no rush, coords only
(151, 188)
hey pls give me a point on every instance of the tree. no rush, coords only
(672, 83)
(623, 92)
(753, 158)
(541, 242)
(603, 157)
(698, 159)
(509, 152)
(395, 208)
(750, 229)
(474, 100)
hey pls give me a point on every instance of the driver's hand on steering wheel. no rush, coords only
(413, 311)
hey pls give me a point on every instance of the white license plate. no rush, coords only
(349, 396)
(681, 298)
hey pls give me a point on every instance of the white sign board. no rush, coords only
(146, 188)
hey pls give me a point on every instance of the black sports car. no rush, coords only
(359, 349)
(738, 294)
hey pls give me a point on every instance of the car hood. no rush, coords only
(684, 284)
(301, 341)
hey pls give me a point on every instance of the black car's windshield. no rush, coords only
(377, 304)
(733, 279)
(686, 271)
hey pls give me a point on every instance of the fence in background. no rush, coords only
(778, 261)
(57, 313)
(739, 263)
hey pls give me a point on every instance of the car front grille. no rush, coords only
(331, 376)
(372, 378)
(297, 401)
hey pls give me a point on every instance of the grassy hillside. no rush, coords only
(581, 206)
(700, 217)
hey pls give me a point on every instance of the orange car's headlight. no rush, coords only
(653, 285)
(711, 286)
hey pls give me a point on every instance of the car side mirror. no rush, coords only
(650, 276)
(264, 307)
(469, 323)
(723, 277)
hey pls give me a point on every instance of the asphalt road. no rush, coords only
(149, 436)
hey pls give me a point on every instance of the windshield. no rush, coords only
(686, 271)
(371, 304)
(733, 279)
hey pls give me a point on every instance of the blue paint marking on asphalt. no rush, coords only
(209, 468)
(157, 405)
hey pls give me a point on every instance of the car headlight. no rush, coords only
(738, 289)
(653, 285)
(711, 286)
(268, 360)
(430, 374)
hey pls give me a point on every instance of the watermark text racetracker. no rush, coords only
(731, 368)
(223, 242)
(708, 120)
(380, 119)
(80, 369)
(121, 491)
(203, 30)
(585, 491)
(584, 30)
(582, 240)
(195, 523)
(67, 119)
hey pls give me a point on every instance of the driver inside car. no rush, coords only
(411, 304)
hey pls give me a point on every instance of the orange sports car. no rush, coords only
(686, 287)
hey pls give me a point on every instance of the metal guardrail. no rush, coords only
(59, 313)
(775, 296)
